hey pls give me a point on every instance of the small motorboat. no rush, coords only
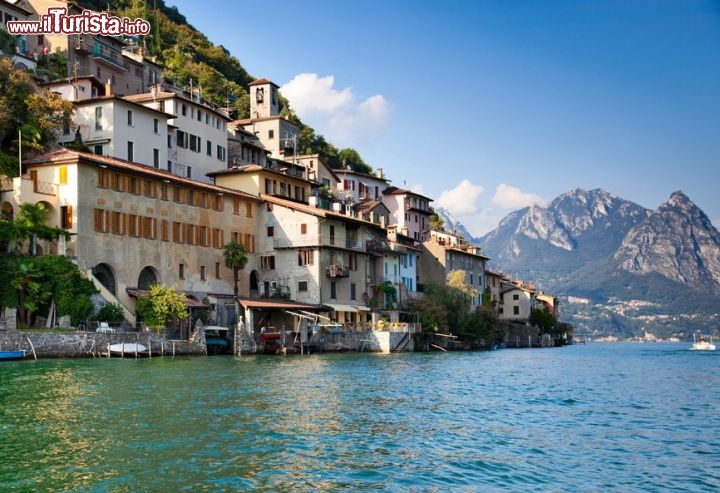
(702, 344)
(128, 348)
(9, 355)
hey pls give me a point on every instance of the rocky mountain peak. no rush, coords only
(677, 241)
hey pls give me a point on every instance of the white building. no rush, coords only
(198, 139)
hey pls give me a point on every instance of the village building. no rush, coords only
(26, 54)
(172, 230)
(410, 212)
(197, 135)
(444, 253)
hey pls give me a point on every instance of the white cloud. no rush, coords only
(462, 199)
(337, 114)
(511, 198)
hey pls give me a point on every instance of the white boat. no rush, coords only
(702, 344)
(127, 348)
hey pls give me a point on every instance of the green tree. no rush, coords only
(456, 279)
(38, 114)
(436, 222)
(71, 291)
(31, 291)
(111, 313)
(543, 319)
(235, 258)
(350, 157)
(162, 307)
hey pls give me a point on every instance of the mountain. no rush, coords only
(621, 268)
(452, 224)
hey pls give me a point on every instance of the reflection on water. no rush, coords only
(590, 418)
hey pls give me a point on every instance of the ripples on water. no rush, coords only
(600, 417)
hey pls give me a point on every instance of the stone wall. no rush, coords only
(79, 344)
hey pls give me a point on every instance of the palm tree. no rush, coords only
(235, 259)
(31, 292)
(31, 217)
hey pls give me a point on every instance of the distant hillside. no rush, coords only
(632, 269)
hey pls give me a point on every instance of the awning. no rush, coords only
(278, 304)
(342, 308)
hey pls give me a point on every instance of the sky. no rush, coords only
(489, 106)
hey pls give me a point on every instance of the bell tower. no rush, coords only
(263, 99)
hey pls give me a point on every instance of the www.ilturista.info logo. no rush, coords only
(57, 21)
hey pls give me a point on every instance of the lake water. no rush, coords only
(595, 417)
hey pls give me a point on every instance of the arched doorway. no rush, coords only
(254, 293)
(104, 274)
(147, 277)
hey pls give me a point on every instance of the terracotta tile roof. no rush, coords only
(63, 155)
(278, 304)
(259, 82)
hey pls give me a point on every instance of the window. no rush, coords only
(130, 118)
(202, 272)
(208, 148)
(132, 225)
(221, 153)
(306, 257)
(163, 191)
(516, 310)
(164, 230)
(332, 234)
(183, 109)
(156, 125)
(248, 209)
(352, 291)
(217, 270)
(156, 158)
(117, 223)
(271, 134)
(182, 139)
(181, 271)
(267, 262)
(169, 140)
(333, 290)
(303, 229)
(101, 220)
(97, 149)
(98, 118)
(271, 230)
(66, 216)
(516, 297)
(302, 286)
(195, 143)
(178, 231)
(130, 152)
(352, 261)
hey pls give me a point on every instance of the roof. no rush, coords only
(149, 96)
(345, 171)
(316, 211)
(278, 304)
(402, 191)
(260, 82)
(114, 97)
(369, 205)
(251, 168)
(66, 156)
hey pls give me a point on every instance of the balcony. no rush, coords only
(335, 270)
(109, 56)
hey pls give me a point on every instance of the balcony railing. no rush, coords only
(44, 187)
(336, 270)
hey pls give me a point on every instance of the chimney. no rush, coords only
(378, 173)
(108, 88)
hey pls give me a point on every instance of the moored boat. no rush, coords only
(10, 355)
(702, 344)
(128, 348)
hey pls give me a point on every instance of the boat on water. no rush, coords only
(128, 348)
(10, 355)
(702, 344)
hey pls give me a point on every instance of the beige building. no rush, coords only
(132, 226)
(444, 253)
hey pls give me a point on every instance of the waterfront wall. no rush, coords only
(79, 344)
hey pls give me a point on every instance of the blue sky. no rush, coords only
(489, 106)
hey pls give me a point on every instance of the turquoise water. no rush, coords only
(596, 417)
